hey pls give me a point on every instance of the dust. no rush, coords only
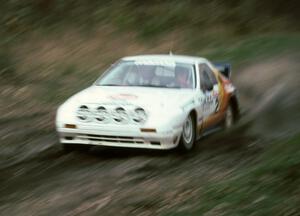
(269, 95)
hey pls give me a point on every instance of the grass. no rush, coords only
(270, 187)
(65, 83)
(252, 48)
(68, 78)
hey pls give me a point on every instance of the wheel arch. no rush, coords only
(194, 115)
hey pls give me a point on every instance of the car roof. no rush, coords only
(176, 58)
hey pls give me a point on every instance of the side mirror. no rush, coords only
(224, 68)
(226, 71)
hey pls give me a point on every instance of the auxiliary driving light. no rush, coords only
(140, 115)
(71, 126)
(149, 130)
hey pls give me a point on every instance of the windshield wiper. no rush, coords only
(143, 85)
(150, 85)
(161, 86)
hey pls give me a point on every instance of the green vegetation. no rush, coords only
(245, 50)
(255, 48)
(150, 17)
(232, 30)
(268, 187)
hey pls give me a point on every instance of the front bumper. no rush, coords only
(120, 137)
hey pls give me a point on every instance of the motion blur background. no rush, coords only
(50, 49)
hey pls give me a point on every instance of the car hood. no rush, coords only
(146, 97)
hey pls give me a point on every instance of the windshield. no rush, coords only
(144, 73)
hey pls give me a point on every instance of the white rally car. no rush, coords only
(150, 101)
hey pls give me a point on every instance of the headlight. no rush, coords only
(140, 115)
(83, 113)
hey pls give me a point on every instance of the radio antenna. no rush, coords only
(172, 45)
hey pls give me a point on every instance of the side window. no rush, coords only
(207, 78)
(211, 75)
(204, 80)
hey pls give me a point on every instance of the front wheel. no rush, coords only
(187, 140)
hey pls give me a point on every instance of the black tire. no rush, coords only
(188, 136)
(67, 148)
(229, 118)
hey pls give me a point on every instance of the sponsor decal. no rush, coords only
(211, 102)
(217, 104)
(200, 119)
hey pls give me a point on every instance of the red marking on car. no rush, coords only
(123, 96)
(215, 93)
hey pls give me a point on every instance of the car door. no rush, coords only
(210, 89)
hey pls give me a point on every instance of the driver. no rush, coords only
(146, 74)
(132, 77)
(182, 76)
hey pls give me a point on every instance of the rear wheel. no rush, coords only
(187, 140)
(229, 117)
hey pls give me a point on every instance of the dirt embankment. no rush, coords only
(37, 179)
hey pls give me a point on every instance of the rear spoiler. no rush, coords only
(224, 68)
